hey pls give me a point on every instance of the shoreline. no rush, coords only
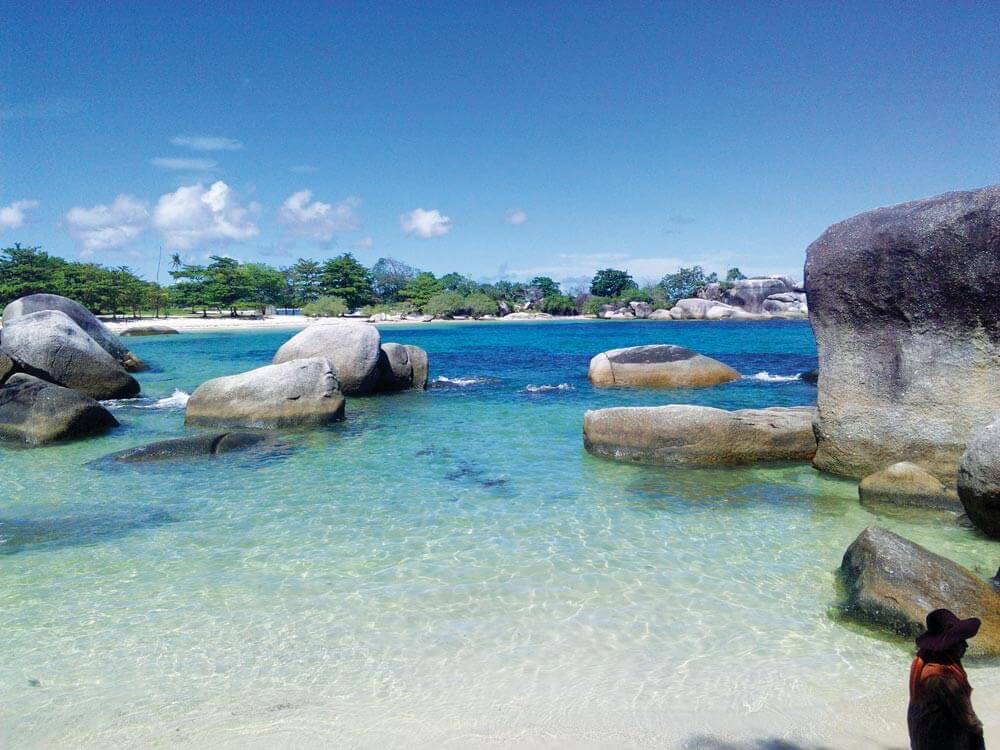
(192, 324)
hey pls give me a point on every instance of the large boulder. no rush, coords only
(352, 347)
(402, 367)
(905, 483)
(641, 309)
(34, 412)
(660, 314)
(657, 366)
(421, 367)
(700, 435)
(52, 346)
(893, 583)
(82, 317)
(905, 307)
(7, 367)
(193, 446)
(301, 392)
(750, 294)
(692, 308)
(979, 480)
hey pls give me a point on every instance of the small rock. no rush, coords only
(905, 483)
(191, 447)
(149, 331)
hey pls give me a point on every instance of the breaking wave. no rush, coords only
(548, 388)
(768, 377)
(176, 400)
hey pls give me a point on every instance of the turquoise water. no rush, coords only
(447, 568)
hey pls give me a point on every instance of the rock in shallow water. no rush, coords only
(905, 306)
(893, 583)
(79, 315)
(907, 484)
(352, 347)
(51, 345)
(299, 393)
(700, 435)
(150, 331)
(657, 366)
(34, 412)
(192, 447)
(979, 480)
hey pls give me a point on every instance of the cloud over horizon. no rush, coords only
(13, 215)
(425, 224)
(304, 218)
(104, 227)
(181, 162)
(193, 215)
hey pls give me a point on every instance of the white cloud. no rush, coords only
(365, 243)
(425, 224)
(207, 143)
(172, 162)
(515, 217)
(193, 215)
(307, 219)
(104, 227)
(12, 216)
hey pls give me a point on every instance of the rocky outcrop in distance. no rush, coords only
(904, 303)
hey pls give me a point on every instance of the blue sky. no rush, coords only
(488, 138)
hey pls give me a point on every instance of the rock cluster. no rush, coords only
(905, 307)
(310, 375)
(57, 360)
(893, 583)
(700, 435)
(657, 366)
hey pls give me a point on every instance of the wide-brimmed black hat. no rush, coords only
(945, 629)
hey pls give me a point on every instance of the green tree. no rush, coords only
(610, 282)
(390, 276)
(546, 286)
(325, 307)
(227, 284)
(685, 283)
(305, 279)
(558, 304)
(344, 277)
(734, 274)
(445, 305)
(268, 286)
(420, 289)
(456, 282)
(479, 304)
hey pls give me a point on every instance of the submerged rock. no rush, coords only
(192, 447)
(298, 393)
(82, 317)
(905, 483)
(51, 345)
(657, 366)
(905, 306)
(150, 331)
(700, 435)
(34, 412)
(979, 480)
(352, 347)
(893, 583)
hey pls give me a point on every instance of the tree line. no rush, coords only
(331, 287)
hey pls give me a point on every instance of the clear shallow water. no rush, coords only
(444, 568)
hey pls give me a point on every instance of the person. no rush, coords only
(940, 715)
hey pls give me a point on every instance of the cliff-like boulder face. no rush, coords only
(684, 435)
(82, 317)
(402, 367)
(49, 344)
(658, 366)
(892, 583)
(904, 303)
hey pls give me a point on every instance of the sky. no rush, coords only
(494, 139)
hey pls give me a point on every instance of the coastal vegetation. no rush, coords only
(329, 288)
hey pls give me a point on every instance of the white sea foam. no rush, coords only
(768, 377)
(444, 379)
(176, 400)
(547, 388)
